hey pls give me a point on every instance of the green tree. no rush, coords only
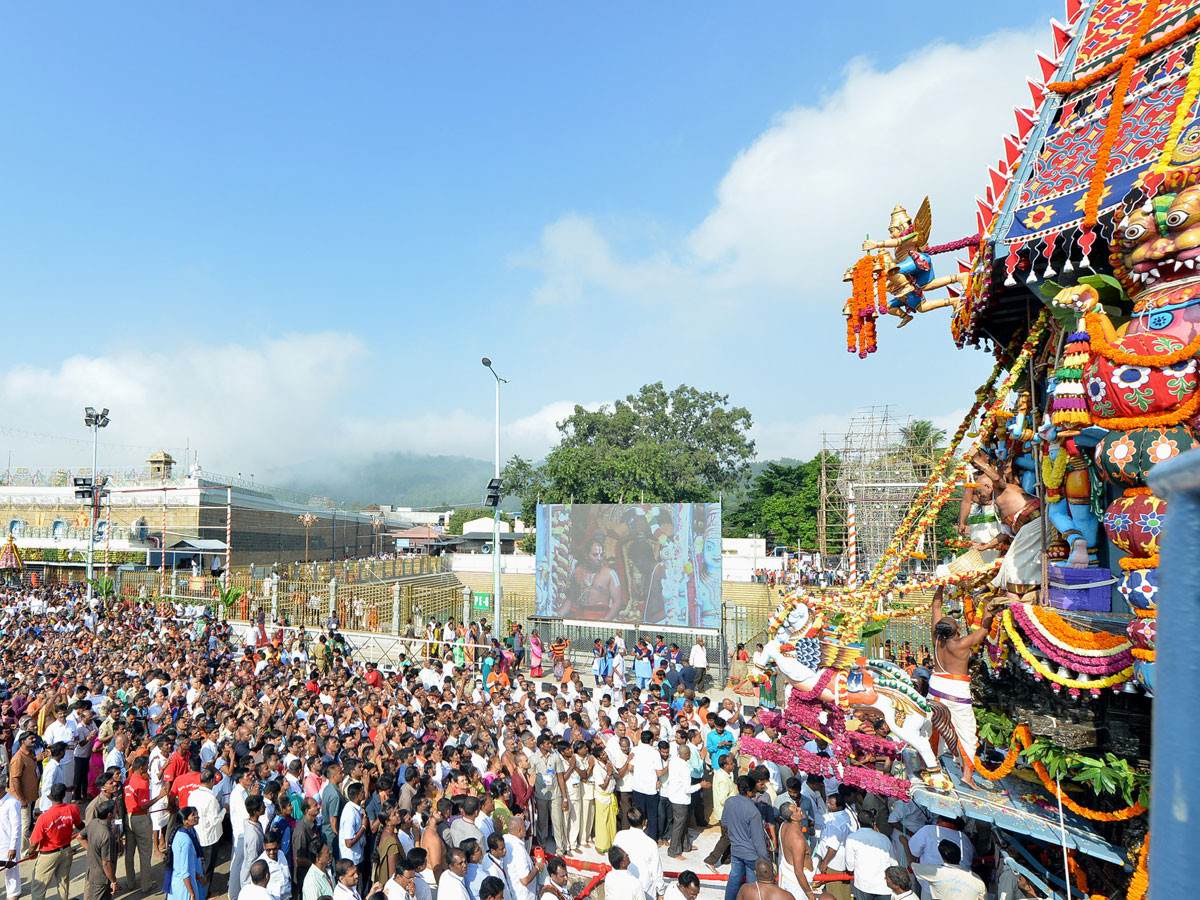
(460, 516)
(922, 442)
(783, 500)
(680, 446)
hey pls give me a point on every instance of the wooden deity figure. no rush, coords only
(910, 270)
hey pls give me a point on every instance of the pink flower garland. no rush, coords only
(1091, 665)
(807, 714)
(972, 241)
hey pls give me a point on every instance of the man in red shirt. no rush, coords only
(182, 787)
(137, 805)
(374, 676)
(177, 764)
(52, 834)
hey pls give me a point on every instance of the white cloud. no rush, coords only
(243, 408)
(793, 207)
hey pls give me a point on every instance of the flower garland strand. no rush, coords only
(1137, 52)
(1038, 667)
(883, 574)
(1022, 740)
(1094, 326)
(1140, 882)
(1116, 111)
(1059, 631)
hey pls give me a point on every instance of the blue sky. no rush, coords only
(288, 232)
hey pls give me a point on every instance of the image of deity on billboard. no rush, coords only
(650, 564)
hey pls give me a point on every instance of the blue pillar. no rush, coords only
(1175, 787)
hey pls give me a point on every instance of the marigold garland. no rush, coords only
(1093, 685)
(1143, 655)
(1181, 413)
(1129, 563)
(1022, 739)
(1072, 638)
(1078, 84)
(1112, 127)
(1095, 329)
(1140, 882)
(1005, 768)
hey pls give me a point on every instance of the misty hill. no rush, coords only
(395, 479)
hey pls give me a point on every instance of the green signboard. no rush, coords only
(481, 602)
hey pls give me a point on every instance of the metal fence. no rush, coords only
(420, 592)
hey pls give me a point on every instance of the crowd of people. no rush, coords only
(144, 737)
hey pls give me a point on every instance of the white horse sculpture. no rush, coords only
(907, 716)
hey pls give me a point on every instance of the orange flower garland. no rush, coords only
(881, 291)
(1091, 203)
(1095, 329)
(1078, 84)
(1181, 413)
(1129, 563)
(1022, 739)
(1071, 636)
(1140, 881)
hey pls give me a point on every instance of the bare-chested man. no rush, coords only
(950, 683)
(1022, 566)
(595, 591)
(764, 887)
(793, 852)
(432, 843)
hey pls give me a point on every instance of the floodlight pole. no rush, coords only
(96, 421)
(496, 517)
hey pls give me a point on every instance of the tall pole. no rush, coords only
(851, 539)
(496, 531)
(92, 513)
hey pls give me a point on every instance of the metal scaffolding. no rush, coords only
(875, 470)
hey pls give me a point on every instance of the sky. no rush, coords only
(284, 234)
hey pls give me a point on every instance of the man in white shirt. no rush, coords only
(621, 883)
(644, 859)
(698, 657)
(647, 767)
(346, 887)
(950, 881)
(53, 772)
(208, 829)
(62, 730)
(924, 846)
(453, 883)
(256, 888)
(868, 855)
(839, 824)
(686, 887)
(279, 880)
(352, 826)
(494, 865)
(678, 791)
(10, 842)
(900, 883)
(522, 871)
(908, 818)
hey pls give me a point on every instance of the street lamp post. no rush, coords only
(307, 520)
(94, 420)
(496, 513)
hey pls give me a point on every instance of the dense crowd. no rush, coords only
(318, 774)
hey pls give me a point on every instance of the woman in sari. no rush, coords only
(184, 874)
(535, 655)
(460, 646)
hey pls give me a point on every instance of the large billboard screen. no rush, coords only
(650, 564)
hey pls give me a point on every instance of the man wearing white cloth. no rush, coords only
(10, 843)
(950, 685)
